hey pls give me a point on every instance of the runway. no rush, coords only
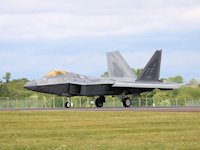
(136, 109)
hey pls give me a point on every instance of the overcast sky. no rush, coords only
(37, 36)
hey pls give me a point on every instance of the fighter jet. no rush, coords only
(121, 81)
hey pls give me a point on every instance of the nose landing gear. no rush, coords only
(68, 103)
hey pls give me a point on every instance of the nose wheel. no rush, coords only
(68, 103)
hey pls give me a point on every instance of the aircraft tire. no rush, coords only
(99, 102)
(67, 105)
(126, 102)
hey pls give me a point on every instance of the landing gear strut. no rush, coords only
(99, 101)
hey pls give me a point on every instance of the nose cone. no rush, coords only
(31, 85)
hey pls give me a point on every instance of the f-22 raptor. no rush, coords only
(121, 81)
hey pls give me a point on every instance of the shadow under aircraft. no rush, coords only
(121, 81)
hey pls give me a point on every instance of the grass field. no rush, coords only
(99, 130)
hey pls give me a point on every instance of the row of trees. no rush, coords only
(14, 89)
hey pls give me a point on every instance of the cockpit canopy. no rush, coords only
(55, 73)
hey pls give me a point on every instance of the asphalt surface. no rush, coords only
(136, 109)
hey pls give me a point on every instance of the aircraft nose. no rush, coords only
(31, 85)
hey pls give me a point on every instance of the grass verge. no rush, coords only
(99, 130)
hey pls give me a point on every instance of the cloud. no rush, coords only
(90, 7)
(65, 19)
(192, 17)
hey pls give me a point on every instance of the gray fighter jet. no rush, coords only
(121, 81)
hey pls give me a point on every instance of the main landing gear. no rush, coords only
(99, 101)
(126, 102)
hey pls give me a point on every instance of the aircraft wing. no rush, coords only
(147, 85)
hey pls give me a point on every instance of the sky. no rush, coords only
(37, 36)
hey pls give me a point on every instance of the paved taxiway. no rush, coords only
(144, 109)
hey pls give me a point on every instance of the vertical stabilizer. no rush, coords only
(151, 71)
(117, 66)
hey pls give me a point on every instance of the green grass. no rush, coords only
(99, 130)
